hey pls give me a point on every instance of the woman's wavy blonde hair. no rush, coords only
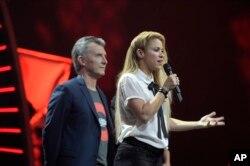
(131, 64)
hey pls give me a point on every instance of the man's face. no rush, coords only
(95, 60)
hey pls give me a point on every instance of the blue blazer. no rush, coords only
(72, 132)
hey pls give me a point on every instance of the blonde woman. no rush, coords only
(141, 125)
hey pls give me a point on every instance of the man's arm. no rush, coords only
(58, 108)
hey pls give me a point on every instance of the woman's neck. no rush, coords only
(145, 70)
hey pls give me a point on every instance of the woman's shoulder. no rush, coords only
(131, 77)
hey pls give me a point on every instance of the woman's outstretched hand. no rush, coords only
(210, 121)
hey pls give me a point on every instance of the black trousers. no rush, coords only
(132, 152)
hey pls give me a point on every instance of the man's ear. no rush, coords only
(81, 60)
(139, 53)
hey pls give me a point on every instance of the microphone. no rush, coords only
(177, 91)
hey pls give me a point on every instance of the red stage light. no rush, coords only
(3, 47)
(10, 130)
(11, 150)
(9, 110)
(5, 68)
(7, 89)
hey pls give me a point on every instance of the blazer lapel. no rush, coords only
(87, 95)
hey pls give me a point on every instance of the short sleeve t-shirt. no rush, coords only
(103, 147)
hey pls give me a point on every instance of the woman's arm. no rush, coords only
(205, 122)
(145, 110)
(166, 158)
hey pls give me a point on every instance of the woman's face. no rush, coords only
(154, 55)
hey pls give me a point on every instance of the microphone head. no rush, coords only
(168, 69)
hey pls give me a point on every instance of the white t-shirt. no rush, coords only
(131, 86)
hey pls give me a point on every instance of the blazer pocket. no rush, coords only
(68, 152)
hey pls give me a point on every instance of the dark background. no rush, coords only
(208, 46)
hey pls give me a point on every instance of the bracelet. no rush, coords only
(164, 92)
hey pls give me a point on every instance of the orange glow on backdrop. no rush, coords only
(41, 72)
